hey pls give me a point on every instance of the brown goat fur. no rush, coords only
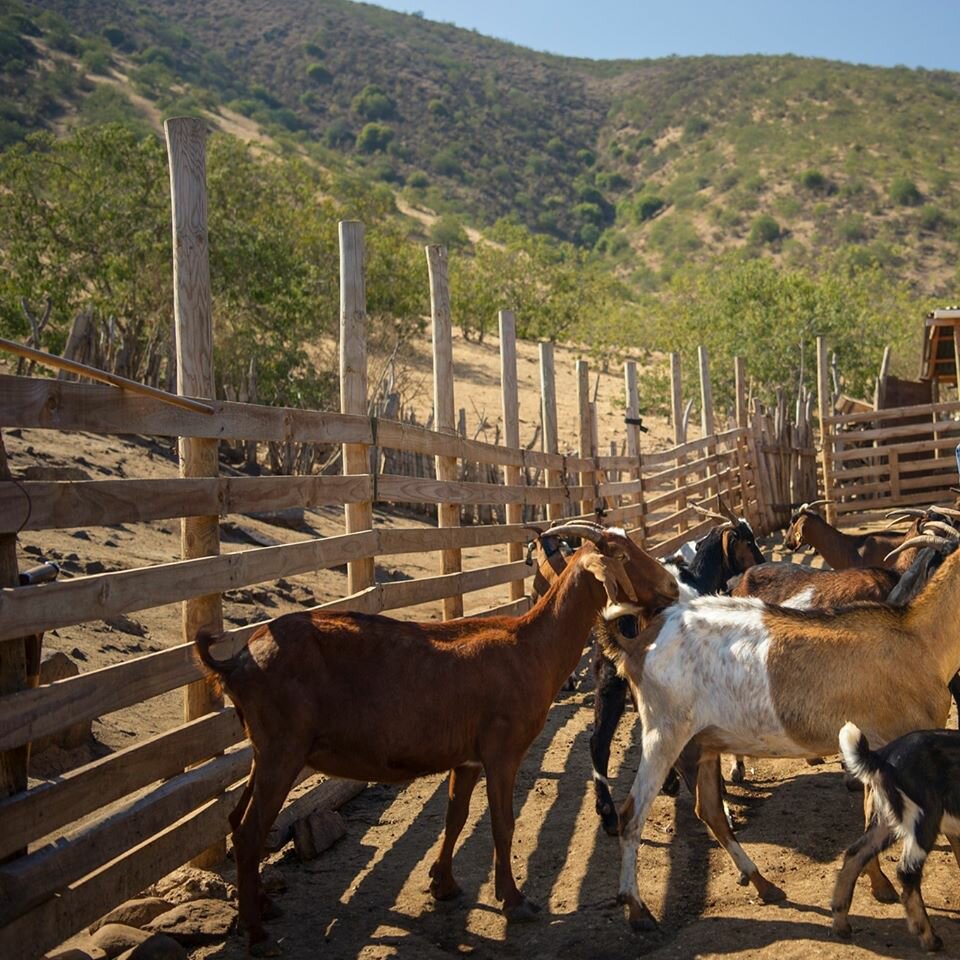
(779, 582)
(372, 698)
(842, 550)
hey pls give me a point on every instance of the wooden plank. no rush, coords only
(509, 393)
(514, 608)
(633, 458)
(826, 443)
(27, 881)
(45, 505)
(425, 490)
(885, 434)
(358, 515)
(931, 464)
(924, 498)
(670, 546)
(416, 539)
(740, 391)
(82, 902)
(50, 605)
(448, 515)
(726, 439)
(51, 805)
(405, 593)
(585, 433)
(103, 376)
(920, 446)
(894, 413)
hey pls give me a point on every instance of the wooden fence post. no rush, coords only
(743, 466)
(448, 514)
(193, 319)
(511, 431)
(707, 427)
(548, 414)
(633, 443)
(823, 408)
(353, 386)
(585, 433)
(679, 434)
(13, 669)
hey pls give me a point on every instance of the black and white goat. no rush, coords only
(725, 552)
(915, 784)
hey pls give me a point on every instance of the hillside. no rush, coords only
(653, 163)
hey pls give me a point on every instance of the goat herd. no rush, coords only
(720, 651)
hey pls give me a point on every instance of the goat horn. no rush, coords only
(898, 518)
(583, 530)
(710, 513)
(812, 504)
(938, 543)
(905, 512)
(725, 510)
(946, 511)
(945, 528)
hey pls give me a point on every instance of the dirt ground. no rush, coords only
(367, 898)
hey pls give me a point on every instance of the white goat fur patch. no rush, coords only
(687, 593)
(800, 601)
(708, 665)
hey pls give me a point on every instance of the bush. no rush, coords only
(852, 230)
(339, 135)
(372, 103)
(764, 230)
(647, 206)
(447, 164)
(448, 232)
(311, 100)
(437, 108)
(932, 218)
(418, 180)
(374, 137)
(113, 35)
(904, 192)
(96, 61)
(314, 49)
(695, 127)
(815, 182)
(318, 73)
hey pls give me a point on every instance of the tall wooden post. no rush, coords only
(823, 408)
(585, 432)
(707, 426)
(511, 430)
(193, 320)
(633, 443)
(353, 385)
(740, 383)
(13, 668)
(548, 419)
(679, 434)
(448, 514)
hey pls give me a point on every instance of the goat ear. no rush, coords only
(611, 572)
(725, 539)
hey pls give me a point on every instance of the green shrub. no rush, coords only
(648, 206)
(932, 218)
(339, 135)
(311, 100)
(437, 108)
(372, 103)
(587, 157)
(318, 73)
(95, 60)
(418, 180)
(114, 35)
(904, 192)
(814, 181)
(611, 180)
(695, 127)
(314, 50)
(447, 231)
(447, 164)
(374, 137)
(764, 230)
(852, 229)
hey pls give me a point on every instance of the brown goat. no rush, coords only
(840, 550)
(372, 698)
(780, 582)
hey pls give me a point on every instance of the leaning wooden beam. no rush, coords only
(329, 793)
(103, 376)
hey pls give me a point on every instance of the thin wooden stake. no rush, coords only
(548, 413)
(511, 430)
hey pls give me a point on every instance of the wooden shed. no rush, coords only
(940, 355)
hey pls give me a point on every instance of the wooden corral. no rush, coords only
(72, 848)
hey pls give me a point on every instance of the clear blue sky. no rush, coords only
(924, 33)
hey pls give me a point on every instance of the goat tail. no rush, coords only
(861, 762)
(204, 639)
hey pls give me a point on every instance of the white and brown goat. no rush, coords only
(736, 675)
(373, 698)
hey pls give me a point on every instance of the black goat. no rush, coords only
(915, 781)
(726, 551)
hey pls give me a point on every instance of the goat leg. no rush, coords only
(609, 703)
(869, 846)
(462, 781)
(500, 784)
(881, 887)
(954, 687)
(710, 808)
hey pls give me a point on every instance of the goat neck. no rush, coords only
(835, 547)
(563, 617)
(934, 616)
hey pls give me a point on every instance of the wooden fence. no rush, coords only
(879, 459)
(72, 848)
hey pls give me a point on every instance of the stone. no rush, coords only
(67, 953)
(115, 938)
(158, 946)
(191, 883)
(197, 922)
(134, 913)
(317, 832)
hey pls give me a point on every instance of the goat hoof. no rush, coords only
(770, 892)
(934, 945)
(885, 894)
(671, 785)
(641, 920)
(842, 928)
(816, 762)
(265, 948)
(522, 912)
(743, 880)
(737, 774)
